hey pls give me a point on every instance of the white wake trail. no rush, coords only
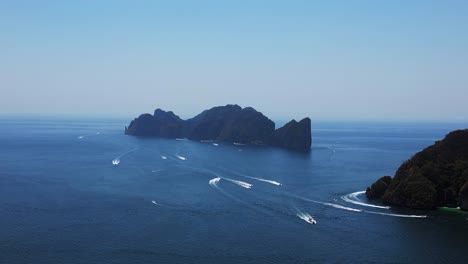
(353, 198)
(181, 157)
(341, 207)
(240, 183)
(397, 215)
(327, 204)
(116, 161)
(255, 178)
(305, 216)
(214, 181)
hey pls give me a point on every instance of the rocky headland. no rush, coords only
(435, 177)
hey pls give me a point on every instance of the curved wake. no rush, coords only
(357, 210)
(352, 198)
(214, 181)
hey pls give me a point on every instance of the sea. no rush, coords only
(77, 190)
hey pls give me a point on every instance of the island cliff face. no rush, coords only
(434, 177)
(229, 123)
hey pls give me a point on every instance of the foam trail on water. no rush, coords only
(342, 207)
(181, 157)
(214, 181)
(255, 178)
(116, 161)
(88, 135)
(397, 215)
(240, 183)
(352, 198)
(327, 204)
(158, 170)
(304, 216)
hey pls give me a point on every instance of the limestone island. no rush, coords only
(434, 177)
(230, 123)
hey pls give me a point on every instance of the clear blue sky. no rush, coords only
(384, 60)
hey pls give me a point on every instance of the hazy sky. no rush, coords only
(376, 59)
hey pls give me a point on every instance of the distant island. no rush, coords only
(434, 177)
(230, 123)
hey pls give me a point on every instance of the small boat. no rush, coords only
(115, 162)
(238, 144)
(311, 220)
(181, 139)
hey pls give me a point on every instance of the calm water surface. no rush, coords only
(79, 191)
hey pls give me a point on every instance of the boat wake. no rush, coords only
(214, 181)
(181, 157)
(158, 170)
(341, 207)
(117, 159)
(88, 135)
(255, 178)
(304, 216)
(353, 198)
(154, 202)
(327, 204)
(338, 206)
(240, 183)
(398, 215)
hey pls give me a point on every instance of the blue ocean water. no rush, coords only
(80, 191)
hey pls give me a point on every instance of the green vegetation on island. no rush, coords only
(434, 177)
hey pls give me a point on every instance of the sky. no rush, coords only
(328, 60)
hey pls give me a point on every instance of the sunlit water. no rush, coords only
(79, 191)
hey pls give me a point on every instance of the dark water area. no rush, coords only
(80, 191)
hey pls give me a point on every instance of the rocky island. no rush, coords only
(230, 123)
(434, 177)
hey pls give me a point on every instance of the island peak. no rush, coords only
(229, 123)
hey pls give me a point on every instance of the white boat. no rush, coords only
(311, 220)
(115, 162)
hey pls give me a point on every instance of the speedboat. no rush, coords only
(311, 220)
